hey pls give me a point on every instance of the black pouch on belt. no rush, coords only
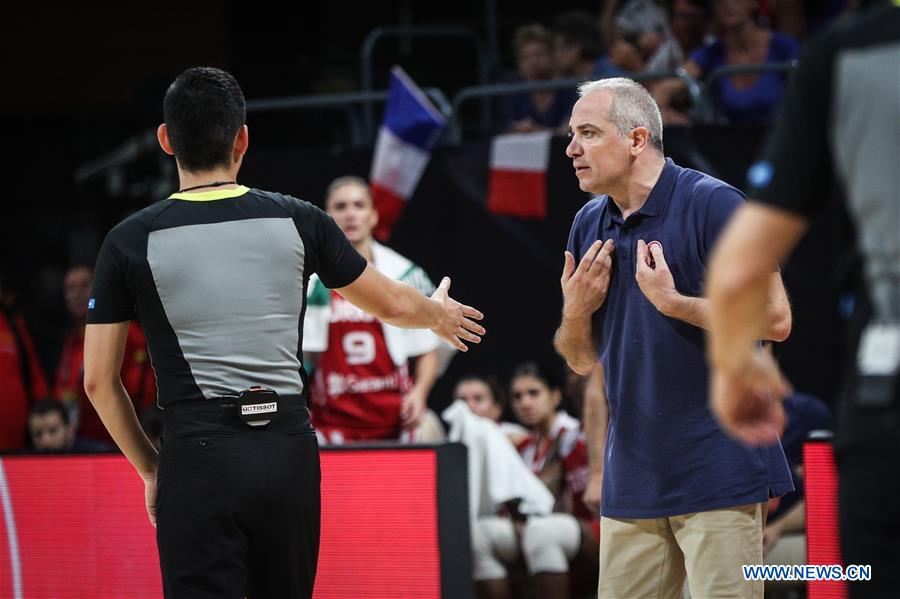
(258, 406)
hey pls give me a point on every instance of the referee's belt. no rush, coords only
(256, 406)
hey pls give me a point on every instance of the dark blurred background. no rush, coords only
(84, 81)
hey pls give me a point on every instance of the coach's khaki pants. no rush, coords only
(649, 558)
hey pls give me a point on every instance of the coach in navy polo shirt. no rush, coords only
(679, 497)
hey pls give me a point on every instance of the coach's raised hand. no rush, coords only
(458, 321)
(585, 288)
(584, 291)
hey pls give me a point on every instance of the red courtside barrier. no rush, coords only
(823, 541)
(394, 524)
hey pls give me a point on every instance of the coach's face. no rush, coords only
(351, 208)
(601, 156)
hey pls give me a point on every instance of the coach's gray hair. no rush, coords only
(632, 106)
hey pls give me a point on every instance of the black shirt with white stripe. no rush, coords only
(218, 281)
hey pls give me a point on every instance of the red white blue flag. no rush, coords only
(410, 130)
(518, 183)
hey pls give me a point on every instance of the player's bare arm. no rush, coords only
(415, 403)
(402, 305)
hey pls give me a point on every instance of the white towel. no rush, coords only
(497, 473)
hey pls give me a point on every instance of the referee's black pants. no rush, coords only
(238, 507)
(868, 457)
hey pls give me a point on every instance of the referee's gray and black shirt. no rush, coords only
(218, 281)
(840, 131)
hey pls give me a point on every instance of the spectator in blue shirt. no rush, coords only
(741, 41)
(535, 111)
(579, 48)
(690, 22)
(679, 497)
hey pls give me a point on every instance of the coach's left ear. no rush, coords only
(640, 139)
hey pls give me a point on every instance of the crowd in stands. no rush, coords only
(514, 554)
(648, 38)
(50, 412)
(53, 413)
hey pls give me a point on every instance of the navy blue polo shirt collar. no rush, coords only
(657, 201)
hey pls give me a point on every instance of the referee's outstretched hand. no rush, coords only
(458, 322)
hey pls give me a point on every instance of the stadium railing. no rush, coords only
(357, 107)
(710, 102)
(379, 34)
(454, 133)
(361, 134)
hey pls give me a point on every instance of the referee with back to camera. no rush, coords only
(217, 275)
(836, 144)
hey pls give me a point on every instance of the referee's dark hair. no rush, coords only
(203, 110)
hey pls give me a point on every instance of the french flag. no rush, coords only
(518, 183)
(410, 130)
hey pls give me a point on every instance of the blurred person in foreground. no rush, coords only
(838, 132)
(217, 274)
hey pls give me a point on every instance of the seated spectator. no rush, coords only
(537, 110)
(52, 431)
(690, 21)
(485, 398)
(69, 385)
(555, 451)
(784, 541)
(741, 98)
(642, 38)
(22, 380)
(137, 376)
(579, 48)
